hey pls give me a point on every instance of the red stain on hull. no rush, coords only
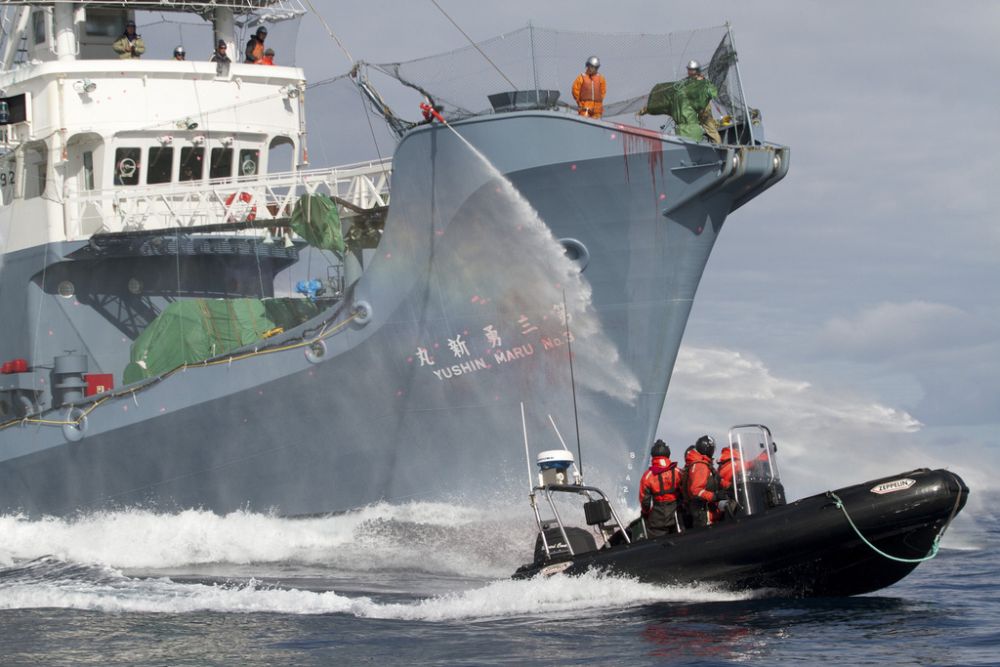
(640, 140)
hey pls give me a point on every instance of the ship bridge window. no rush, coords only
(127, 166)
(161, 162)
(38, 21)
(88, 170)
(36, 162)
(104, 25)
(192, 163)
(222, 163)
(281, 155)
(249, 161)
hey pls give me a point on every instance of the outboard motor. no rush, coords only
(580, 540)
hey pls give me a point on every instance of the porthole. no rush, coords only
(66, 289)
(315, 351)
(576, 252)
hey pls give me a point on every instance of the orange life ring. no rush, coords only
(247, 199)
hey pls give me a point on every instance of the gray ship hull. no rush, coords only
(417, 393)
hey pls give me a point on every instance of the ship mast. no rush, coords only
(66, 17)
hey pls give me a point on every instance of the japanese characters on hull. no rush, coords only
(470, 351)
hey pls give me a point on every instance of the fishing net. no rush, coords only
(539, 59)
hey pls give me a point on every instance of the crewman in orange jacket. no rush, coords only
(702, 483)
(589, 90)
(659, 491)
(254, 51)
(729, 462)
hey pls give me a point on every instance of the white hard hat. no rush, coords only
(695, 65)
(593, 61)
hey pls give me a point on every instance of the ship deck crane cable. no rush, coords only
(474, 45)
(329, 30)
(354, 68)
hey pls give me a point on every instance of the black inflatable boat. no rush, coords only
(853, 540)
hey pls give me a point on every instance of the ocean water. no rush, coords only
(427, 584)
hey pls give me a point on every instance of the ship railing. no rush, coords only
(355, 188)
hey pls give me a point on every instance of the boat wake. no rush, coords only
(375, 562)
(415, 561)
(51, 583)
(435, 538)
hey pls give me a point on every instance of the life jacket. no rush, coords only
(255, 50)
(661, 482)
(728, 462)
(702, 483)
(588, 91)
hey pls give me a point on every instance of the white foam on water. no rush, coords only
(78, 564)
(426, 537)
(556, 595)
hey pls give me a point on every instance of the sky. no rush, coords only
(854, 307)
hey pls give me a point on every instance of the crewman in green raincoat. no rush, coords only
(688, 102)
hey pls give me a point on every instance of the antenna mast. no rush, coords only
(572, 383)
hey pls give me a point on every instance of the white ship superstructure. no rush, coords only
(97, 144)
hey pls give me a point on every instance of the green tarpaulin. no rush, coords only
(684, 101)
(317, 220)
(193, 330)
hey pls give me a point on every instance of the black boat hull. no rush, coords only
(805, 548)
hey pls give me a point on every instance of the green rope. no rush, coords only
(934, 547)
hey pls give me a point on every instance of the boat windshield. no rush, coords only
(752, 445)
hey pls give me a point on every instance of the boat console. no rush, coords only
(555, 539)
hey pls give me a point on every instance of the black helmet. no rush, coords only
(705, 446)
(660, 448)
(261, 30)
